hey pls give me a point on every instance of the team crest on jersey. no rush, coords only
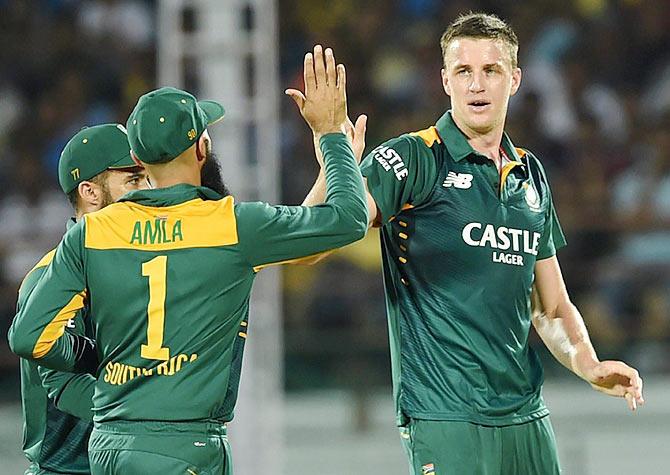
(428, 469)
(458, 180)
(532, 198)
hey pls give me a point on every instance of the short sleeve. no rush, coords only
(401, 171)
(552, 237)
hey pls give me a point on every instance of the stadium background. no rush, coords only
(594, 105)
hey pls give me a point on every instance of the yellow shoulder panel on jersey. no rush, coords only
(520, 152)
(429, 135)
(195, 223)
(56, 327)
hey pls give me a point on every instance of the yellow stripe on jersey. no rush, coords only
(429, 135)
(45, 261)
(55, 329)
(505, 172)
(194, 223)
(307, 260)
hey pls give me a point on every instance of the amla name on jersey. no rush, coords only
(503, 238)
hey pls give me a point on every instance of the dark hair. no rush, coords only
(481, 25)
(73, 196)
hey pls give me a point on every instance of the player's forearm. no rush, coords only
(317, 194)
(32, 341)
(563, 332)
(344, 183)
(71, 393)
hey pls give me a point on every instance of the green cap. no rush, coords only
(167, 121)
(92, 151)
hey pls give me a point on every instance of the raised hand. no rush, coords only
(356, 134)
(324, 103)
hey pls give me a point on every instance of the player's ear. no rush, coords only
(516, 81)
(202, 146)
(89, 193)
(445, 82)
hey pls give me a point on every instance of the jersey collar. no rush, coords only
(457, 143)
(171, 195)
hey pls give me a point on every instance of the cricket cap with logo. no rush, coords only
(168, 121)
(92, 151)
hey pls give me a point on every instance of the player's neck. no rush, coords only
(485, 142)
(176, 172)
(487, 145)
(172, 181)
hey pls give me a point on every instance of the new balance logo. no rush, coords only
(458, 180)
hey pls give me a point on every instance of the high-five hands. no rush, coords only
(324, 103)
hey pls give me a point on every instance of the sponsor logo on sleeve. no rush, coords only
(389, 159)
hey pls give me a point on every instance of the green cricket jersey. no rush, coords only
(168, 274)
(460, 241)
(56, 405)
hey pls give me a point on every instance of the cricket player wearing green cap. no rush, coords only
(95, 169)
(168, 273)
(468, 228)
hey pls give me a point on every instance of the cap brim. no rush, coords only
(213, 110)
(125, 162)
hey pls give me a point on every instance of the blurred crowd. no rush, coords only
(594, 105)
(66, 64)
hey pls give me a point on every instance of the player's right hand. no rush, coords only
(324, 103)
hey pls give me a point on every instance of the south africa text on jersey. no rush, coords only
(157, 231)
(120, 373)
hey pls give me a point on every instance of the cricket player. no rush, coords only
(168, 274)
(95, 169)
(468, 228)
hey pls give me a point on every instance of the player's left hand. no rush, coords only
(618, 379)
(356, 135)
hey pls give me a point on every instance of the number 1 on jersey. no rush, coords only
(156, 271)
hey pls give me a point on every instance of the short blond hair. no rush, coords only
(481, 25)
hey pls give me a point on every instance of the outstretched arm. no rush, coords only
(562, 329)
(356, 135)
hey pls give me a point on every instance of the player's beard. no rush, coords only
(210, 175)
(106, 198)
